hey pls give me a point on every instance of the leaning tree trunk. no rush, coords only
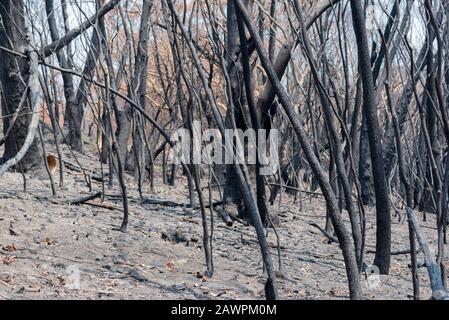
(14, 74)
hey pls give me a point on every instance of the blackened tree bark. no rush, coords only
(255, 119)
(383, 233)
(14, 74)
(248, 196)
(285, 100)
(234, 66)
(402, 109)
(365, 176)
(334, 139)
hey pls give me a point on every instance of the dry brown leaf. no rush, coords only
(170, 266)
(7, 261)
(61, 281)
(9, 248)
(52, 164)
(49, 242)
(6, 278)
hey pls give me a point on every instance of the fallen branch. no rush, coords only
(396, 253)
(159, 202)
(75, 168)
(225, 216)
(324, 232)
(85, 199)
(103, 206)
(168, 203)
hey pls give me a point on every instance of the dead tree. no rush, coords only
(138, 84)
(383, 232)
(18, 80)
(342, 234)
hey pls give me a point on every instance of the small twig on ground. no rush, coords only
(225, 216)
(85, 199)
(324, 232)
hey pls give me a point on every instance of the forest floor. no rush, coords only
(46, 245)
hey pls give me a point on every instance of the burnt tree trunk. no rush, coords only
(383, 240)
(14, 74)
